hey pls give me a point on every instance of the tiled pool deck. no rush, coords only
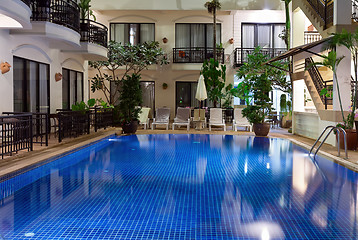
(26, 159)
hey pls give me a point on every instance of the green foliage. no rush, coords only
(130, 98)
(260, 87)
(255, 66)
(82, 106)
(214, 78)
(350, 41)
(331, 61)
(212, 6)
(131, 58)
(85, 10)
(230, 92)
(285, 106)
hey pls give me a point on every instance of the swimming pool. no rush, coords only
(182, 187)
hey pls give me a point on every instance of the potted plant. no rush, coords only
(257, 82)
(165, 85)
(129, 100)
(260, 86)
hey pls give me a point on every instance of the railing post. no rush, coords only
(325, 14)
(325, 96)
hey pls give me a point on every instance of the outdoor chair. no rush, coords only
(161, 117)
(143, 117)
(182, 118)
(199, 118)
(240, 121)
(216, 118)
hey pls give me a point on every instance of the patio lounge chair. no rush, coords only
(143, 117)
(240, 121)
(161, 117)
(199, 118)
(216, 118)
(182, 118)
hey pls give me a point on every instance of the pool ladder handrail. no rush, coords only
(338, 130)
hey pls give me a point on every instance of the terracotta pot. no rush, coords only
(130, 127)
(261, 129)
(351, 139)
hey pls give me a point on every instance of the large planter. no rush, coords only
(130, 127)
(261, 129)
(351, 139)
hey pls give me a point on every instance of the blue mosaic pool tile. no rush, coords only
(182, 187)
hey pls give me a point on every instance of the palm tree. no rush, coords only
(350, 41)
(212, 6)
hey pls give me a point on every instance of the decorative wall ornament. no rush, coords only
(58, 77)
(165, 40)
(165, 85)
(231, 40)
(5, 67)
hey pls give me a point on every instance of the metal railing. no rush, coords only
(318, 81)
(241, 54)
(16, 134)
(73, 124)
(62, 12)
(312, 36)
(196, 54)
(27, 2)
(101, 118)
(324, 9)
(355, 10)
(93, 32)
(40, 128)
(337, 130)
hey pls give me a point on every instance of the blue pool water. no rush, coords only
(182, 187)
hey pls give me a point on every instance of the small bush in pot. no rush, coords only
(129, 100)
(260, 86)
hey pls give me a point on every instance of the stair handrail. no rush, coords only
(324, 9)
(354, 10)
(333, 128)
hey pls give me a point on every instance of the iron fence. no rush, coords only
(40, 126)
(93, 32)
(73, 124)
(196, 55)
(16, 134)
(62, 12)
(102, 118)
(27, 2)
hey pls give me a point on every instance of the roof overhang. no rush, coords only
(299, 49)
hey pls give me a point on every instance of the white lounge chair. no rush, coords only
(240, 121)
(161, 117)
(199, 118)
(143, 117)
(216, 118)
(182, 118)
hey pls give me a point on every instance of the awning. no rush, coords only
(297, 50)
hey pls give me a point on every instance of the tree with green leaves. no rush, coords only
(350, 41)
(214, 77)
(212, 7)
(331, 61)
(128, 58)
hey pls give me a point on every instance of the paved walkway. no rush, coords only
(41, 153)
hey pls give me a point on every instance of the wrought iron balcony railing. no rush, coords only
(241, 54)
(27, 2)
(355, 10)
(196, 55)
(324, 9)
(312, 36)
(93, 32)
(62, 12)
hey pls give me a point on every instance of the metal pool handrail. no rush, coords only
(333, 128)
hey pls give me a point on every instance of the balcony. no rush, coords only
(241, 54)
(312, 36)
(93, 32)
(61, 12)
(196, 55)
(15, 14)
